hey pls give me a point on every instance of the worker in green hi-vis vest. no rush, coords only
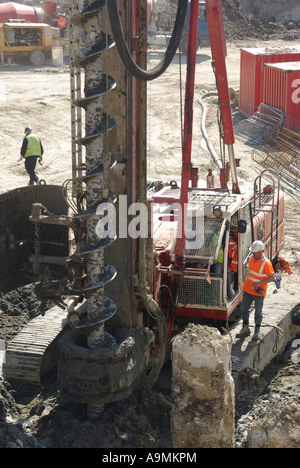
(32, 150)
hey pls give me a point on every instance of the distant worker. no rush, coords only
(32, 150)
(63, 25)
(210, 179)
(260, 273)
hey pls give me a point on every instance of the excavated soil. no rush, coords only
(32, 416)
(240, 25)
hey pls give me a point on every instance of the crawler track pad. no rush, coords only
(34, 351)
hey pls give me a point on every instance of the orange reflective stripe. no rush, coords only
(255, 275)
(62, 22)
(234, 261)
(232, 246)
(232, 242)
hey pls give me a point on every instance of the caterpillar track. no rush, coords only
(34, 352)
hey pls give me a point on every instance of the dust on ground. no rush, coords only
(37, 417)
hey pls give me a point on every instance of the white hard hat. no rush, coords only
(257, 246)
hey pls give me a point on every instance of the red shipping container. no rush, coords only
(282, 90)
(252, 73)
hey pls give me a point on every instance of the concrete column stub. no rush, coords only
(203, 389)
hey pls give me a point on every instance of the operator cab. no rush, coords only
(211, 218)
(215, 220)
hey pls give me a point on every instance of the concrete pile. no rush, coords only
(203, 389)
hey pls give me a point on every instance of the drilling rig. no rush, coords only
(124, 293)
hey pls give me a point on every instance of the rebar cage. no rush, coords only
(281, 153)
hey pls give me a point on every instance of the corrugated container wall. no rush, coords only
(282, 90)
(252, 73)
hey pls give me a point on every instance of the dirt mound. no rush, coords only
(17, 308)
(239, 25)
(242, 25)
(37, 417)
(33, 417)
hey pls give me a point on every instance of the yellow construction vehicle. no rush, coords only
(19, 39)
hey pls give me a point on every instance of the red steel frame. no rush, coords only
(188, 130)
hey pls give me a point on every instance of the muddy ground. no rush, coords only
(37, 417)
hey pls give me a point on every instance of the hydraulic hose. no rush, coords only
(132, 67)
(209, 144)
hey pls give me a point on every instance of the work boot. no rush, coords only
(256, 335)
(245, 331)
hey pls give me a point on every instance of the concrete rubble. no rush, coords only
(203, 389)
(278, 426)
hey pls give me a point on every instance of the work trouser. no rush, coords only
(30, 164)
(246, 304)
(63, 33)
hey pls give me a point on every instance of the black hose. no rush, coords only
(132, 67)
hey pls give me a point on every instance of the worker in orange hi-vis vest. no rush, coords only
(63, 25)
(260, 273)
